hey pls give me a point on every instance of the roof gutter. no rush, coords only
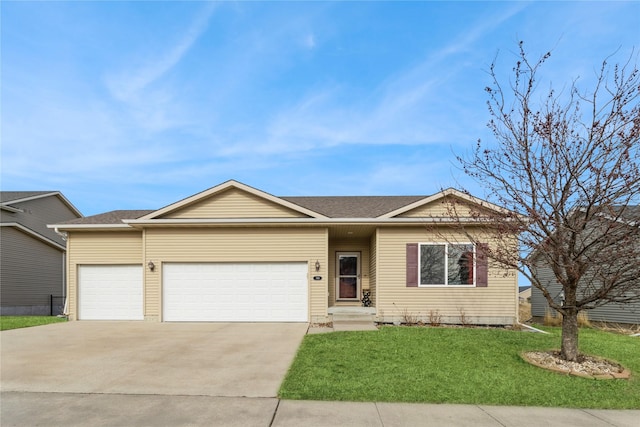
(129, 224)
(87, 227)
(297, 221)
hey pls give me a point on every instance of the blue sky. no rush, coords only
(127, 105)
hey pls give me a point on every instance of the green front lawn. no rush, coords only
(15, 322)
(455, 365)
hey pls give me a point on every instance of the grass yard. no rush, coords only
(15, 322)
(455, 365)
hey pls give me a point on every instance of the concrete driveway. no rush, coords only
(190, 359)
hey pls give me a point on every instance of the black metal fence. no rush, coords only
(56, 304)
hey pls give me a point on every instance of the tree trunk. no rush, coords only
(569, 350)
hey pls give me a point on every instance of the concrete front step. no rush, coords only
(352, 317)
(349, 321)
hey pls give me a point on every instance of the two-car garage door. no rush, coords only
(223, 292)
(240, 292)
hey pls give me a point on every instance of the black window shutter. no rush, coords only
(412, 265)
(482, 265)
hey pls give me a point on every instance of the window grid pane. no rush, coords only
(460, 265)
(432, 264)
(447, 264)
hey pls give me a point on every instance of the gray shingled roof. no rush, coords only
(113, 217)
(353, 206)
(9, 196)
(631, 213)
(331, 206)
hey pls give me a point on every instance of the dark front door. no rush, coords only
(348, 277)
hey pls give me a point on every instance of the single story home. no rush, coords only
(32, 256)
(236, 253)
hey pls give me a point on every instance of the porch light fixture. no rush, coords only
(317, 265)
(151, 265)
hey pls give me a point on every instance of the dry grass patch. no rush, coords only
(524, 312)
(555, 319)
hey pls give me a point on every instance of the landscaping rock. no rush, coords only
(586, 367)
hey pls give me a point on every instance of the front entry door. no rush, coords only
(348, 277)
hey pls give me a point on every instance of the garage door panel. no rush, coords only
(248, 292)
(110, 292)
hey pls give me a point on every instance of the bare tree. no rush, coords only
(565, 167)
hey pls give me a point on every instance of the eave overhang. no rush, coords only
(88, 227)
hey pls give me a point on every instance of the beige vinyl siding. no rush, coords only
(235, 203)
(495, 304)
(31, 272)
(237, 245)
(352, 245)
(99, 248)
(373, 267)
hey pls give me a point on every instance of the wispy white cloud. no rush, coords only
(309, 41)
(408, 107)
(126, 85)
(292, 98)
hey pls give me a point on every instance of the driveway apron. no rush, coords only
(197, 359)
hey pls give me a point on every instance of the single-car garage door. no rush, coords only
(235, 292)
(110, 292)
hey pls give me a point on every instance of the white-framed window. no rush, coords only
(447, 264)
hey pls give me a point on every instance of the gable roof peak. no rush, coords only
(224, 187)
(441, 195)
(8, 198)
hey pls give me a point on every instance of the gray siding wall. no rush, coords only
(30, 271)
(614, 313)
(38, 213)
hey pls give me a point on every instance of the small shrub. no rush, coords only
(409, 318)
(435, 319)
(464, 320)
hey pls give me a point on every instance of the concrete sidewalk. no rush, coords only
(79, 409)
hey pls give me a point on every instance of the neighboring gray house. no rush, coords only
(610, 313)
(32, 257)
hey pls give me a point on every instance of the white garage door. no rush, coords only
(110, 292)
(235, 292)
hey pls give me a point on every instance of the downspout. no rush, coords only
(65, 308)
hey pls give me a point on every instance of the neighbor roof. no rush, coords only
(12, 196)
(8, 198)
(630, 212)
